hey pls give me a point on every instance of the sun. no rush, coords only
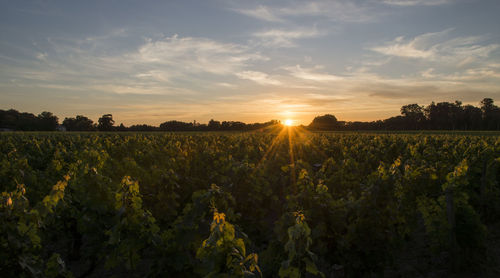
(288, 122)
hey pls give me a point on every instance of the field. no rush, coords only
(287, 203)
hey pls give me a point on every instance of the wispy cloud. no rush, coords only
(285, 38)
(261, 12)
(225, 84)
(338, 10)
(479, 74)
(41, 56)
(434, 47)
(398, 47)
(196, 55)
(311, 74)
(258, 77)
(158, 75)
(483, 73)
(323, 99)
(140, 89)
(417, 2)
(422, 46)
(156, 67)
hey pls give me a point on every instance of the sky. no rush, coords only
(243, 60)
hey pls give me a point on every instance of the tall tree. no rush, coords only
(213, 125)
(325, 122)
(106, 122)
(491, 114)
(79, 123)
(442, 115)
(176, 126)
(413, 115)
(47, 121)
(472, 117)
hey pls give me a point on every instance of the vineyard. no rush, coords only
(284, 203)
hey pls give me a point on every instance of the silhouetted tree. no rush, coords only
(256, 126)
(325, 122)
(472, 117)
(121, 127)
(79, 123)
(14, 120)
(214, 125)
(176, 126)
(106, 122)
(491, 114)
(441, 115)
(233, 125)
(413, 116)
(47, 121)
(395, 123)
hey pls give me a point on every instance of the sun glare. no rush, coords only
(288, 122)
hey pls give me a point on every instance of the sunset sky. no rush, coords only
(252, 61)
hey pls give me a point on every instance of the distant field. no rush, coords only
(415, 132)
(350, 204)
(424, 132)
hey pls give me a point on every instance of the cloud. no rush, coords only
(154, 75)
(261, 12)
(226, 85)
(417, 2)
(434, 47)
(324, 99)
(258, 77)
(163, 66)
(338, 11)
(395, 91)
(285, 38)
(370, 87)
(428, 73)
(190, 54)
(470, 47)
(480, 74)
(309, 74)
(421, 46)
(41, 56)
(404, 49)
(139, 89)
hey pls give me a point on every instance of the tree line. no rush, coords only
(435, 116)
(13, 120)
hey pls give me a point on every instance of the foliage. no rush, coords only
(143, 204)
(21, 233)
(134, 228)
(325, 122)
(106, 122)
(223, 254)
(300, 258)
